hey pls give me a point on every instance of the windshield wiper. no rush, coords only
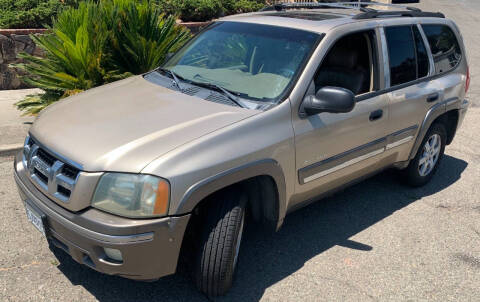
(174, 76)
(225, 92)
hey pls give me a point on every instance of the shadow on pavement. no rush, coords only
(266, 258)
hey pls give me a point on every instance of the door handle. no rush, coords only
(433, 97)
(375, 115)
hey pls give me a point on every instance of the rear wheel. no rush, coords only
(422, 168)
(219, 245)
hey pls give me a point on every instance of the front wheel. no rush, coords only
(219, 245)
(422, 168)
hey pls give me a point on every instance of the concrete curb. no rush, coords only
(9, 150)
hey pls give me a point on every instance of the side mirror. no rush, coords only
(328, 99)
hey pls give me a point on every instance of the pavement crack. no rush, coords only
(34, 263)
(475, 231)
(467, 259)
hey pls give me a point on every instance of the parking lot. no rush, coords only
(377, 240)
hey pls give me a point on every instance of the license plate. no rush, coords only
(35, 219)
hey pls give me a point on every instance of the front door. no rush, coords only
(335, 148)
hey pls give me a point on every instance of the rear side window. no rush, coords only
(444, 45)
(407, 53)
(401, 51)
(422, 56)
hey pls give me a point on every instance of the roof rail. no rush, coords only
(366, 12)
(311, 5)
(385, 13)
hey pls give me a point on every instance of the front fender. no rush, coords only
(268, 167)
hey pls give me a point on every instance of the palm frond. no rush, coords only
(96, 43)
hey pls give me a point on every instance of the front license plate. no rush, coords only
(35, 219)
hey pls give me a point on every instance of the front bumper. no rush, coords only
(150, 247)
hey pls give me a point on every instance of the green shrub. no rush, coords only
(232, 7)
(169, 7)
(200, 10)
(38, 13)
(205, 10)
(128, 37)
(30, 13)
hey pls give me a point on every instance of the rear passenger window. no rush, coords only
(407, 53)
(401, 50)
(444, 45)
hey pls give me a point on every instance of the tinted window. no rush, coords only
(422, 57)
(401, 50)
(444, 45)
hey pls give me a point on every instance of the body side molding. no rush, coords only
(356, 155)
(342, 160)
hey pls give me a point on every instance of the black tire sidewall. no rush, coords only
(222, 204)
(232, 267)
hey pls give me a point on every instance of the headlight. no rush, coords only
(132, 195)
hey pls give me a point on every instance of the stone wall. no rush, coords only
(13, 42)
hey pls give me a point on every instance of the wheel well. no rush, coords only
(262, 202)
(262, 193)
(450, 121)
(262, 207)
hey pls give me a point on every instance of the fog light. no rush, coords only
(113, 254)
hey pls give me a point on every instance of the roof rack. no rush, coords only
(413, 13)
(309, 5)
(366, 12)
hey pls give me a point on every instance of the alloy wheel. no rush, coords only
(430, 155)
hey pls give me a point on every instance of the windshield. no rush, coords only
(253, 61)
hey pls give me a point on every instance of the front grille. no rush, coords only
(47, 158)
(70, 171)
(52, 175)
(65, 192)
(42, 177)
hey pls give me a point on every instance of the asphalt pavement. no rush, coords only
(376, 241)
(13, 125)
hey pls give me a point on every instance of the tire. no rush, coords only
(420, 170)
(220, 238)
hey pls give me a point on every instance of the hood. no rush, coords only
(125, 125)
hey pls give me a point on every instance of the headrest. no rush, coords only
(342, 57)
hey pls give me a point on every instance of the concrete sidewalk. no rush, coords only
(13, 126)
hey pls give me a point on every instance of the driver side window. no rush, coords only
(350, 64)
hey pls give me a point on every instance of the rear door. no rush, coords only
(416, 84)
(410, 97)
